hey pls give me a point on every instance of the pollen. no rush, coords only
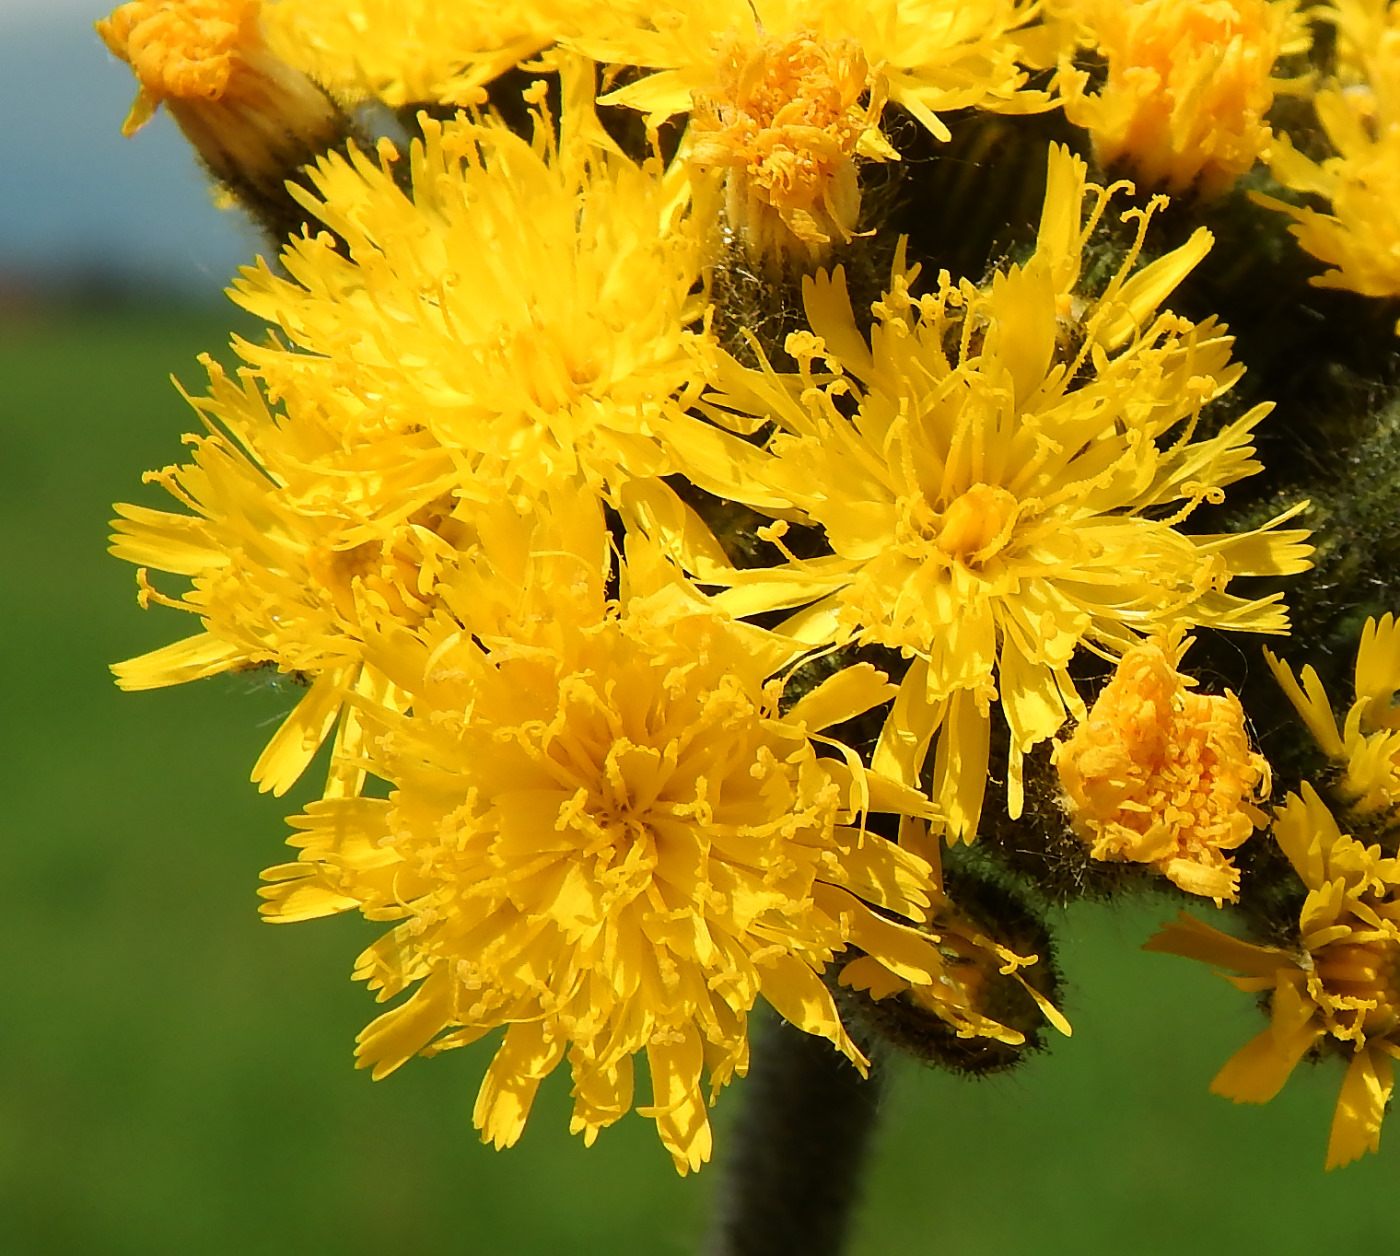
(1163, 776)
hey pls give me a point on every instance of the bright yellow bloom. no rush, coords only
(305, 529)
(1160, 775)
(604, 837)
(1367, 748)
(785, 121)
(786, 94)
(1340, 986)
(1189, 84)
(248, 113)
(404, 52)
(1360, 237)
(1001, 474)
(530, 304)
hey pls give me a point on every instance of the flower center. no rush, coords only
(392, 569)
(974, 528)
(1368, 971)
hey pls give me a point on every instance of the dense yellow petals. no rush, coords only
(603, 835)
(1157, 774)
(1189, 84)
(405, 52)
(1002, 474)
(1340, 985)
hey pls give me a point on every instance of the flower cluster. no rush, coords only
(672, 555)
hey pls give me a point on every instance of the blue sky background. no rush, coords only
(75, 195)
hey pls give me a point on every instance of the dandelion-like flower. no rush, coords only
(605, 838)
(786, 122)
(1189, 84)
(1366, 749)
(406, 52)
(1159, 775)
(1340, 987)
(1008, 487)
(249, 114)
(785, 95)
(530, 304)
(1360, 237)
(304, 529)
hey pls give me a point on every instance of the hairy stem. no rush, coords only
(792, 1176)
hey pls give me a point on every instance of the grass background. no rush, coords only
(176, 1076)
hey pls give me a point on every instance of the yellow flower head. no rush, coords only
(1367, 747)
(786, 94)
(529, 305)
(1189, 83)
(1360, 114)
(405, 52)
(1002, 474)
(248, 113)
(1341, 985)
(603, 837)
(304, 529)
(1157, 774)
(785, 121)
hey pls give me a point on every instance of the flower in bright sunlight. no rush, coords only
(1001, 474)
(604, 838)
(1339, 987)
(532, 304)
(785, 95)
(249, 114)
(1188, 85)
(405, 52)
(1160, 775)
(1359, 238)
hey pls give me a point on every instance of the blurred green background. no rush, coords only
(176, 1076)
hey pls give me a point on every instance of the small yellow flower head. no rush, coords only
(1002, 474)
(1366, 748)
(1189, 83)
(252, 117)
(404, 52)
(603, 838)
(1340, 987)
(531, 304)
(1159, 775)
(1360, 114)
(785, 121)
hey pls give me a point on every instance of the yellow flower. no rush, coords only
(1159, 775)
(603, 837)
(303, 530)
(252, 117)
(1189, 83)
(784, 95)
(405, 51)
(1367, 748)
(1001, 474)
(1360, 238)
(785, 120)
(1340, 986)
(530, 304)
